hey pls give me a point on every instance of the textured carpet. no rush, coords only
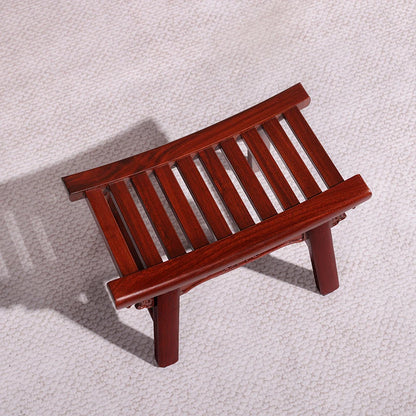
(83, 83)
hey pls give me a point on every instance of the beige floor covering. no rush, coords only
(83, 83)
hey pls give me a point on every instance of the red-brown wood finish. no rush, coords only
(291, 157)
(165, 309)
(233, 251)
(156, 212)
(203, 197)
(139, 232)
(248, 179)
(148, 281)
(319, 241)
(78, 183)
(181, 207)
(117, 246)
(165, 314)
(124, 231)
(274, 175)
(226, 188)
(312, 146)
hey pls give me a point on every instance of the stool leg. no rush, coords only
(165, 316)
(319, 241)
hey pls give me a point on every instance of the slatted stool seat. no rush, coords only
(223, 224)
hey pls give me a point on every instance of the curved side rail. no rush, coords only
(78, 183)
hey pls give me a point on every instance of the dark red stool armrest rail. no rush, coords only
(149, 189)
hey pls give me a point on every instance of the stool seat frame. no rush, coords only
(155, 278)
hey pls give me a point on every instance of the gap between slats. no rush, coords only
(287, 153)
(229, 219)
(270, 169)
(230, 197)
(312, 147)
(157, 215)
(125, 230)
(170, 213)
(303, 155)
(255, 168)
(203, 197)
(282, 165)
(193, 204)
(248, 179)
(243, 195)
(180, 206)
(113, 236)
(134, 222)
(148, 223)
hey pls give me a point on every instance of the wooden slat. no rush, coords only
(203, 197)
(313, 147)
(291, 157)
(157, 214)
(137, 227)
(80, 182)
(113, 237)
(226, 188)
(231, 252)
(180, 206)
(248, 179)
(270, 169)
(125, 231)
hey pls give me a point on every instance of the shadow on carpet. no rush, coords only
(52, 255)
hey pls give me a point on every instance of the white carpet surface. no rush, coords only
(83, 83)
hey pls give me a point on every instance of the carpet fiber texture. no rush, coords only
(86, 83)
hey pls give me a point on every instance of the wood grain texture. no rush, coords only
(180, 206)
(272, 248)
(157, 214)
(147, 281)
(137, 227)
(234, 251)
(124, 230)
(313, 147)
(203, 198)
(225, 188)
(248, 179)
(165, 314)
(113, 236)
(270, 169)
(290, 156)
(319, 241)
(78, 183)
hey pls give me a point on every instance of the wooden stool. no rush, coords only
(146, 279)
